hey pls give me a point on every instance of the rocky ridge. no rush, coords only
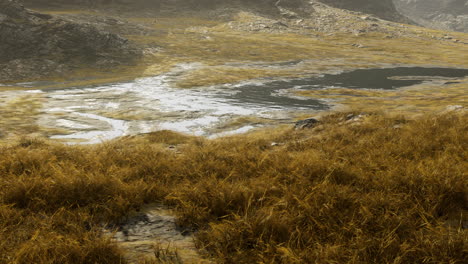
(34, 44)
(384, 9)
(439, 14)
(325, 19)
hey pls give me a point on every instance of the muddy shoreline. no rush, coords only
(227, 56)
(93, 114)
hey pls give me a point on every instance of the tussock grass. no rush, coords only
(386, 189)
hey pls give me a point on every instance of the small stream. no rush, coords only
(99, 113)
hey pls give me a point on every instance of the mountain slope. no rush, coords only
(439, 14)
(383, 8)
(32, 43)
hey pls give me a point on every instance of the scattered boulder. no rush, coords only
(288, 13)
(306, 123)
(357, 45)
(369, 18)
(354, 118)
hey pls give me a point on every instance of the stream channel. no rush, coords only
(99, 113)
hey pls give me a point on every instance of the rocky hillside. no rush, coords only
(34, 44)
(440, 14)
(382, 8)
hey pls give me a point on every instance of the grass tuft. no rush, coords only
(381, 189)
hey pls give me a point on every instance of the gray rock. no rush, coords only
(288, 13)
(354, 117)
(153, 225)
(358, 45)
(306, 123)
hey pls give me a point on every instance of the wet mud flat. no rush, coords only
(98, 113)
(385, 78)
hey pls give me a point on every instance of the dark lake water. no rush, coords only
(95, 113)
(385, 78)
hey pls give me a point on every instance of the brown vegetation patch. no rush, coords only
(386, 189)
(422, 98)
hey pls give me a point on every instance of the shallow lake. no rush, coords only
(94, 114)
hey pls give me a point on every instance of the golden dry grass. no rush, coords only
(214, 47)
(422, 98)
(213, 43)
(20, 113)
(387, 189)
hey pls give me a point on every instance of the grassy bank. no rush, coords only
(384, 189)
(233, 51)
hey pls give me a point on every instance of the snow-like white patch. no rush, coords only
(118, 129)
